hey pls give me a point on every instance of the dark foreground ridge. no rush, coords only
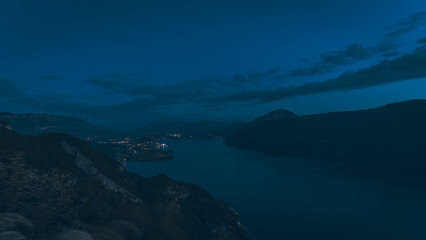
(391, 136)
(54, 186)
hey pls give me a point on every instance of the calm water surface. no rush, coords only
(287, 198)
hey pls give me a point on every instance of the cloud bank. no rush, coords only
(406, 67)
(256, 87)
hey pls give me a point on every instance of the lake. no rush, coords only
(289, 198)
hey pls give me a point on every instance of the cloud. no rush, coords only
(354, 53)
(408, 66)
(331, 60)
(156, 101)
(268, 85)
(408, 24)
(422, 41)
(185, 91)
(144, 99)
(115, 82)
(8, 89)
(212, 93)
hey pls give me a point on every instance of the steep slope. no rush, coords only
(35, 124)
(57, 182)
(393, 135)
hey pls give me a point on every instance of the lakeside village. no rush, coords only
(148, 148)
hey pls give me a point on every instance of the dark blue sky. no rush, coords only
(138, 61)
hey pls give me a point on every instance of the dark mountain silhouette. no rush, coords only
(35, 124)
(53, 182)
(273, 116)
(393, 135)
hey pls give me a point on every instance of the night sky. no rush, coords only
(140, 61)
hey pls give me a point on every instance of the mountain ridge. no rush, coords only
(393, 132)
(85, 190)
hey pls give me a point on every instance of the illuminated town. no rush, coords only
(150, 148)
(146, 148)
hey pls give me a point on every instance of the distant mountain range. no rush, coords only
(56, 185)
(393, 135)
(201, 129)
(35, 124)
